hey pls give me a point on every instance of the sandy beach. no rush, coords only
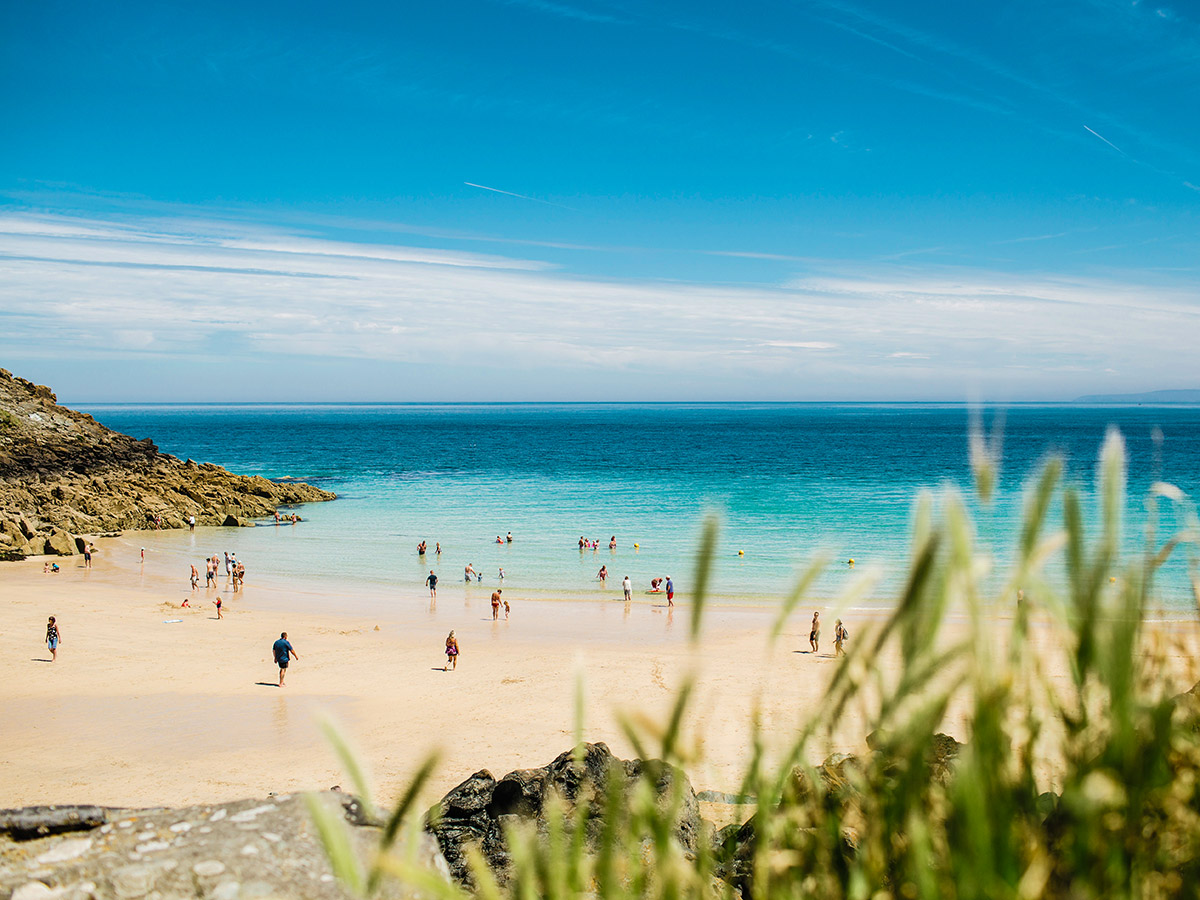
(152, 704)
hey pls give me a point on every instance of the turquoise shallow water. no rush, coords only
(789, 482)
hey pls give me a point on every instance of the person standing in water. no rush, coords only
(627, 587)
(670, 592)
(468, 572)
(603, 574)
(814, 635)
(451, 652)
(53, 637)
(496, 604)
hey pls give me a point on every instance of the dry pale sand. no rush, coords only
(140, 711)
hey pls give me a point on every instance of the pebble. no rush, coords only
(66, 850)
(133, 881)
(125, 823)
(181, 826)
(247, 815)
(151, 846)
(272, 837)
(249, 850)
(327, 878)
(145, 835)
(227, 890)
(209, 868)
(204, 829)
(218, 815)
(33, 890)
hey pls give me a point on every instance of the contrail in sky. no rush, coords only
(521, 196)
(1107, 141)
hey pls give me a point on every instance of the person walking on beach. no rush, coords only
(496, 604)
(228, 563)
(451, 652)
(210, 573)
(53, 637)
(839, 638)
(814, 635)
(217, 602)
(282, 651)
(87, 556)
(627, 587)
(432, 582)
(195, 578)
(507, 610)
(192, 522)
(670, 592)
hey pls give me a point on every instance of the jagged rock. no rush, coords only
(477, 811)
(247, 849)
(61, 470)
(60, 543)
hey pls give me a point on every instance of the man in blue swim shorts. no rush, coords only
(282, 649)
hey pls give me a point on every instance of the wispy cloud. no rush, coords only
(86, 289)
(1106, 140)
(565, 11)
(484, 187)
(1034, 237)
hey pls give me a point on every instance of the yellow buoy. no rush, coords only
(741, 553)
(636, 546)
(850, 562)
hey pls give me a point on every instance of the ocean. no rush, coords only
(790, 483)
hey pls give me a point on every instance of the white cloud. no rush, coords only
(469, 324)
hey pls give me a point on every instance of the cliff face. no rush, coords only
(62, 474)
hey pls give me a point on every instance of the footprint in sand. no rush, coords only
(656, 676)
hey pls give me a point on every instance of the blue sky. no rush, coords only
(543, 200)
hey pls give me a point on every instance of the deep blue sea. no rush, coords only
(789, 482)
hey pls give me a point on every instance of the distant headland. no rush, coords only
(1177, 398)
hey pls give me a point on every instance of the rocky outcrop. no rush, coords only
(476, 812)
(63, 474)
(734, 846)
(248, 849)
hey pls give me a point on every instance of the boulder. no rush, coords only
(478, 810)
(246, 849)
(60, 543)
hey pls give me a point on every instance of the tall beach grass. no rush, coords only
(1087, 787)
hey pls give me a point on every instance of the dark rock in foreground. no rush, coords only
(248, 849)
(63, 474)
(477, 811)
